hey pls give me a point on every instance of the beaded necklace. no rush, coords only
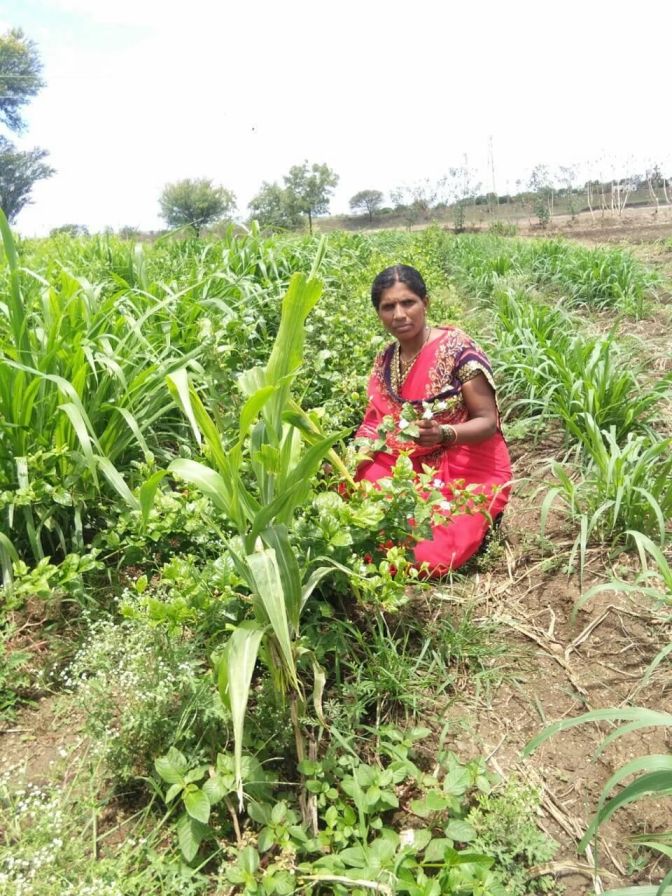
(399, 368)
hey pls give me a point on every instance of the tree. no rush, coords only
(195, 203)
(20, 81)
(309, 189)
(462, 187)
(541, 185)
(18, 172)
(371, 200)
(274, 209)
(73, 230)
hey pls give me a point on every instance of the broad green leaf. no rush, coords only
(248, 859)
(197, 804)
(133, 425)
(287, 352)
(172, 792)
(436, 849)
(8, 556)
(277, 538)
(147, 493)
(172, 767)
(251, 409)
(268, 588)
(312, 434)
(644, 890)
(178, 386)
(639, 716)
(212, 436)
(252, 381)
(655, 783)
(215, 789)
(431, 802)
(117, 481)
(190, 834)
(17, 313)
(315, 578)
(78, 424)
(235, 676)
(205, 479)
(459, 830)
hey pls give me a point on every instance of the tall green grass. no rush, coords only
(598, 278)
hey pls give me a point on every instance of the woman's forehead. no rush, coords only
(398, 290)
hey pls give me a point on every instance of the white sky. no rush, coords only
(140, 93)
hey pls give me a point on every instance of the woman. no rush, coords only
(459, 432)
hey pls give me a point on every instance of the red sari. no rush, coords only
(436, 375)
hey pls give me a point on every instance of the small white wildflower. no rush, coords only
(403, 424)
(441, 405)
(438, 483)
(428, 415)
(407, 837)
(445, 505)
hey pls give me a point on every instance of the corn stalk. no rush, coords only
(283, 449)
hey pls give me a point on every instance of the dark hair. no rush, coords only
(398, 273)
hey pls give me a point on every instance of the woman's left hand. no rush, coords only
(430, 433)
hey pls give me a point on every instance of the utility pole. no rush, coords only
(491, 166)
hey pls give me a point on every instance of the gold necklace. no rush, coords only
(401, 368)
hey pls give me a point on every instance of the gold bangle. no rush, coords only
(448, 434)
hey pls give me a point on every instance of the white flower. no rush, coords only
(441, 405)
(438, 483)
(428, 415)
(445, 505)
(407, 837)
(403, 423)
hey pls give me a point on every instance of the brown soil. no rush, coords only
(43, 741)
(634, 226)
(561, 666)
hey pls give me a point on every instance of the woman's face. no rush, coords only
(402, 312)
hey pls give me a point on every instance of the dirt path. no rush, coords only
(561, 666)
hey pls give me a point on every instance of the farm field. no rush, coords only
(215, 679)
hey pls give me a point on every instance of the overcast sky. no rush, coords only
(387, 93)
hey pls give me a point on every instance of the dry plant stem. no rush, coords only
(339, 879)
(562, 869)
(307, 801)
(551, 649)
(234, 821)
(585, 633)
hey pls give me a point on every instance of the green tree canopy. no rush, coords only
(20, 81)
(273, 208)
(309, 189)
(196, 203)
(18, 172)
(370, 200)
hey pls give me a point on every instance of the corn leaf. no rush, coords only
(235, 670)
(637, 716)
(269, 591)
(277, 538)
(205, 479)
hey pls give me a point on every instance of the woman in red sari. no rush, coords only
(459, 431)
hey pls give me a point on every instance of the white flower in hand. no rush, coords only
(428, 415)
(403, 424)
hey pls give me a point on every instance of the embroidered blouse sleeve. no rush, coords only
(471, 361)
